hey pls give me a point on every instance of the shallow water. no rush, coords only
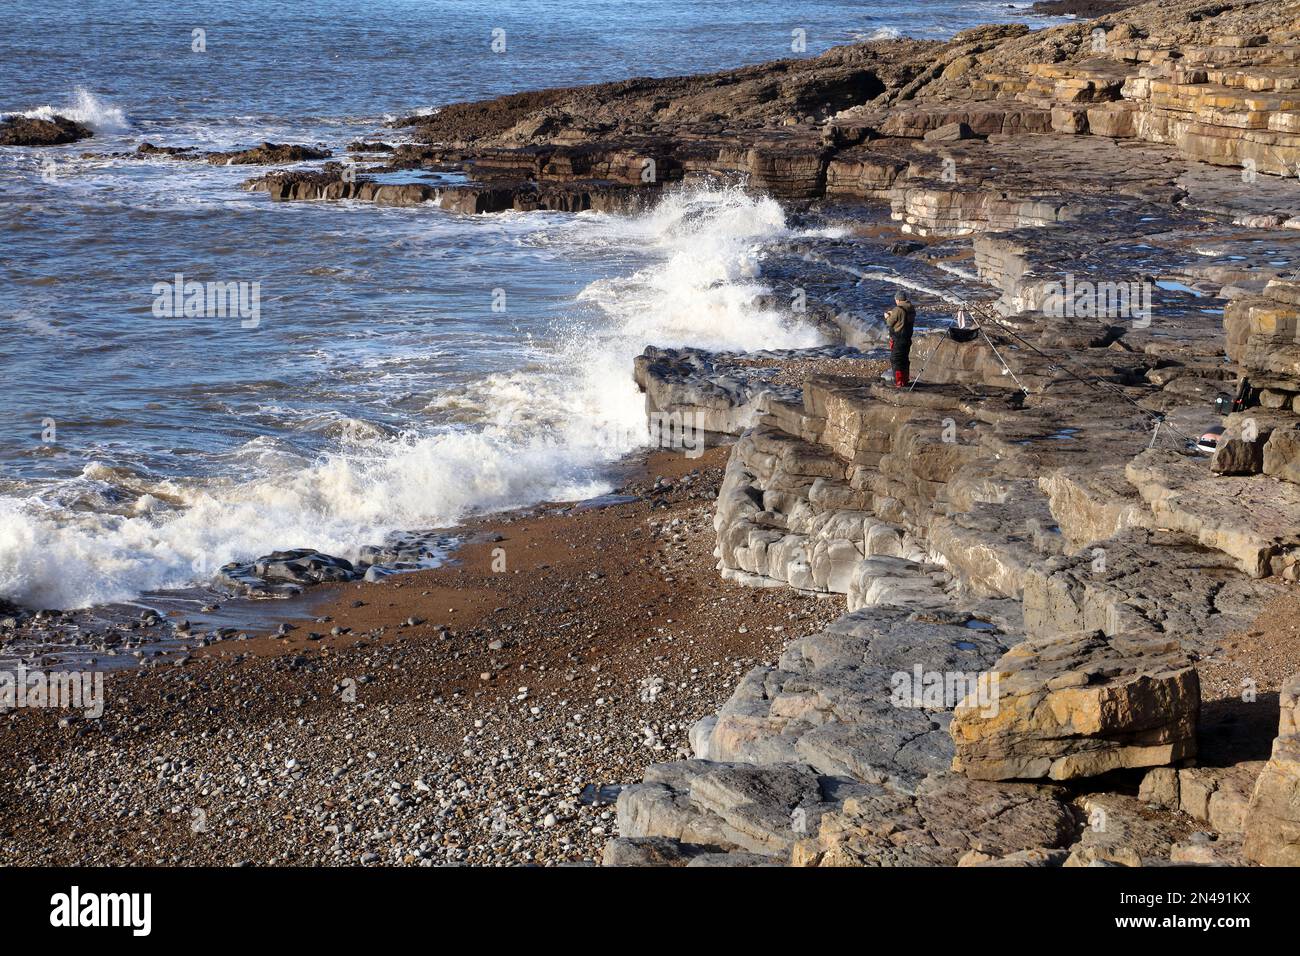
(407, 367)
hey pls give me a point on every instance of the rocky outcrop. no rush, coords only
(16, 130)
(850, 702)
(950, 821)
(1121, 831)
(1254, 520)
(331, 184)
(789, 813)
(1079, 706)
(965, 137)
(267, 154)
(264, 154)
(1272, 820)
(1042, 489)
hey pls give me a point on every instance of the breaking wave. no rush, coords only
(548, 431)
(88, 109)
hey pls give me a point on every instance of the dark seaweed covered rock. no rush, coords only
(29, 131)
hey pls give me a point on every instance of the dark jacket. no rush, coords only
(900, 320)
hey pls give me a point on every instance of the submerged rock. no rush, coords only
(267, 154)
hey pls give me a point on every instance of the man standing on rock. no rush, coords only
(900, 320)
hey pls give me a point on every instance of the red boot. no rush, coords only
(900, 379)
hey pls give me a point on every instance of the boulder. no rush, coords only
(1079, 706)
(1218, 796)
(288, 571)
(1236, 456)
(267, 154)
(1281, 458)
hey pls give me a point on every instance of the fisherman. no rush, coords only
(900, 320)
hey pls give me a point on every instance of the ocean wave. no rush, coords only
(879, 33)
(86, 108)
(545, 431)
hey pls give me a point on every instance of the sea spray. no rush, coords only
(548, 431)
(86, 108)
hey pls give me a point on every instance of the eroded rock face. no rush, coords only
(28, 131)
(1252, 519)
(1079, 706)
(1273, 817)
(950, 819)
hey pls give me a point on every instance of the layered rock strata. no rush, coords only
(1041, 487)
(1033, 553)
(1272, 820)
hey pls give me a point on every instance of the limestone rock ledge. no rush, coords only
(845, 702)
(951, 820)
(1273, 818)
(1079, 706)
(1253, 519)
(789, 813)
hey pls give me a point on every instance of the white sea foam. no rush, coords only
(547, 432)
(86, 108)
(880, 33)
(958, 271)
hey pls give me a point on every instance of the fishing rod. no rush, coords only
(1098, 385)
(1105, 388)
(952, 297)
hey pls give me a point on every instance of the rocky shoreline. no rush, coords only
(1103, 559)
(476, 713)
(1066, 634)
